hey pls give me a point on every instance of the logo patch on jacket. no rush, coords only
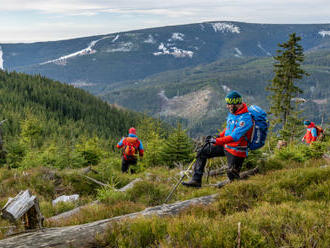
(241, 123)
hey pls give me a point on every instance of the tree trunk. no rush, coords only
(24, 204)
(2, 151)
(83, 236)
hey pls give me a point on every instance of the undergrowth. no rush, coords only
(282, 206)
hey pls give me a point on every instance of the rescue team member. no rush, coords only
(232, 141)
(311, 132)
(131, 147)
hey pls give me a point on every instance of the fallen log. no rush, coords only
(243, 175)
(88, 169)
(130, 185)
(83, 236)
(96, 181)
(216, 172)
(69, 213)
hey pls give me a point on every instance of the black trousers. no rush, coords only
(126, 163)
(210, 151)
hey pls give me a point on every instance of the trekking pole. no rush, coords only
(178, 183)
(183, 176)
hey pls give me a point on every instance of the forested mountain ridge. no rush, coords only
(62, 109)
(180, 72)
(112, 58)
(175, 94)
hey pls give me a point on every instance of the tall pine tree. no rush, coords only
(287, 70)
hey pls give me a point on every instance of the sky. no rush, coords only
(45, 20)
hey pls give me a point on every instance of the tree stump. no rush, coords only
(25, 206)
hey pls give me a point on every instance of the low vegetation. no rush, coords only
(285, 205)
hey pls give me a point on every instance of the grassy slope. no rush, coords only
(285, 208)
(287, 205)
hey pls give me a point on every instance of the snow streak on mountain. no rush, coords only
(86, 51)
(324, 33)
(1, 59)
(225, 27)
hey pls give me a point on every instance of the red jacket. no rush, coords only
(311, 133)
(237, 133)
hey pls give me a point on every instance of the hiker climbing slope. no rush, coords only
(232, 141)
(131, 147)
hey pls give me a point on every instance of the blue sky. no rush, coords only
(43, 20)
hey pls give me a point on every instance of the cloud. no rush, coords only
(171, 8)
(57, 19)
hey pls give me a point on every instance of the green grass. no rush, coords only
(286, 205)
(283, 208)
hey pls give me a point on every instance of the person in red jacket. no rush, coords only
(131, 147)
(232, 141)
(311, 132)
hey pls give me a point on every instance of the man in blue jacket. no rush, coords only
(232, 142)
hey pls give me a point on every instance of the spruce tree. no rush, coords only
(287, 70)
(177, 148)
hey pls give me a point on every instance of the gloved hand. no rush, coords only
(211, 140)
(207, 139)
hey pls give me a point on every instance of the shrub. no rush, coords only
(147, 193)
(90, 150)
(15, 153)
(48, 210)
(110, 196)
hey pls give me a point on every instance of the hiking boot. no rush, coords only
(192, 183)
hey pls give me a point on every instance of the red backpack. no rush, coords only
(320, 133)
(131, 147)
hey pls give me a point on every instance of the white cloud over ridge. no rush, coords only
(23, 19)
(169, 7)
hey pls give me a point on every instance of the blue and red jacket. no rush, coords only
(137, 144)
(237, 132)
(311, 133)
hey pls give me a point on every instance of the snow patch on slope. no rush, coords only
(122, 47)
(150, 40)
(176, 52)
(79, 84)
(163, 96)
(225, 27)
(86, 51)
(263, 49)
(177, 36)
(225, 88)
(324, 33)
(1, 59)
(238, 52)
(321, 101)
(116, 38)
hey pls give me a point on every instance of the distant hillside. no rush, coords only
(106, 59)
(195, 95)
(63, 110)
